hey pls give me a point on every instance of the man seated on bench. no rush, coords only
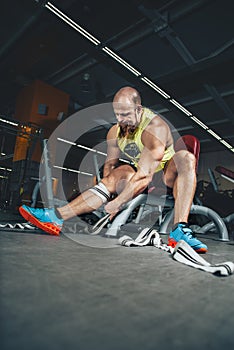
(146, 139)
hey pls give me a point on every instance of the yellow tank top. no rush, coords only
(132, 146)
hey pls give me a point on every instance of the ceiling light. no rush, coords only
(72, 170)
(124, 63)
(213, 134)
(79, 172)
(199, 122)
(121, 61)
(227, 178)
(102, 153)
(92, 150)
(178, 105)
(225, 143)
(155, 87)
(7, 169)
(66, 141)
(87, 148)
(71, 23)
(8, 122)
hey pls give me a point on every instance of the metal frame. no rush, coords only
(155, 201)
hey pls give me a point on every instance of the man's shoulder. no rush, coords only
(112, 133)
(151, 116)
(157, 121)
(114, 128)
(157, 128)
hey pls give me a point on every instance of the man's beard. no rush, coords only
(126, 130)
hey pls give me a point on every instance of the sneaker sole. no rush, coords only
(172, 243)
(45, 226)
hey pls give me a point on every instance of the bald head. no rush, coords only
(127, 109)
(127, 95)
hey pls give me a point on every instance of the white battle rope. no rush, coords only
(182, 253)
(21, 226)
(96, 229)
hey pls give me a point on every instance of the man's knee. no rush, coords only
(118, 177)
(101, 191)
(186, 160)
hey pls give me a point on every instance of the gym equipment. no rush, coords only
(164, 205)
(96, 229)
(226, 173)
(182, 252)
(21, 161)
(145, 201)
(144, 204)
(209, 194)
(19, 225)
(186, 255)
(160, 206)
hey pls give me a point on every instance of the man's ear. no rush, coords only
(138, 113)
(139, 108)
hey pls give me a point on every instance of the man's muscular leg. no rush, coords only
(51, 221)
(180, 175)
(89, 200)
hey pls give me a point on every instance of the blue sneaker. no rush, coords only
(45, 219)
(183, 232)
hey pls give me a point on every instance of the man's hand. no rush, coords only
(113, 208)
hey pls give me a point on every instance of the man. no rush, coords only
(146, 139)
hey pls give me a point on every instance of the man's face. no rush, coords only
(127, 115)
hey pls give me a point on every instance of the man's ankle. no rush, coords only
(179, 223)
(57, 213)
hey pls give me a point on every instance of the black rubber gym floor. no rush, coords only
(58, 294)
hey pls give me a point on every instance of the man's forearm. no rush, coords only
(108, 167)
(132, 189)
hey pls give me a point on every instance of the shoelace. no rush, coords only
(189, 233)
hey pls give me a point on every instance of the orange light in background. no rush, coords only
(22, 142)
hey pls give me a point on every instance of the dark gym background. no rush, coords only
(57, 294)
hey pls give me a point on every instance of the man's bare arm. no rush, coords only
(113, 151)
(151, 156)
